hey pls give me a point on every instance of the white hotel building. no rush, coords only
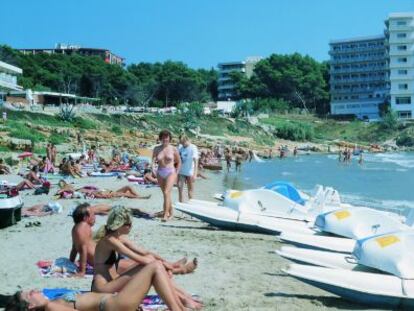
(366, 72)
(358, 76)
(400, 37)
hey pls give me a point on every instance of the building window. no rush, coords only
(401, 23)
(404, 114)
(402, 71)
(402, 48)
(403, 100)
(403, 86)
(402, 59)
(401, 35)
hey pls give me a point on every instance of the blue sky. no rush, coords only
(200, 33)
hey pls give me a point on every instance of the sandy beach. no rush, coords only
(237, 271)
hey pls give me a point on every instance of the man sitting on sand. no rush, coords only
(84, 245)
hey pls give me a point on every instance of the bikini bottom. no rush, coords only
(164, 172)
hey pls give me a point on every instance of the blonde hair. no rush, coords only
(184, 137)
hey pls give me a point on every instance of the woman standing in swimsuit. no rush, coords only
(115, 244)
(169, 163)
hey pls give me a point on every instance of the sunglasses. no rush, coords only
(128, 224)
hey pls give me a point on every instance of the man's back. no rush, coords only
(82, 240)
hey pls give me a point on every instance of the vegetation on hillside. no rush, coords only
(295, 80)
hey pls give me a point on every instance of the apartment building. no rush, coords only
(68, 49)
(400, 37)
(358, 76)
(226, 89)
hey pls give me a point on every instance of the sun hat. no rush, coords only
(119, 216)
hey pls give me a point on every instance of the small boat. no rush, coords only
(10, 207)
(319, 258)
(375, 289)
(318, 241)
(337, 273)
(259, 210)
(338, 230)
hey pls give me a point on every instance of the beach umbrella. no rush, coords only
(25, 155)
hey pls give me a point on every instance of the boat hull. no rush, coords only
(10, 211)
(362, 287)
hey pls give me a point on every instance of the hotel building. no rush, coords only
(226, 89)
(400, 37)
(358, 76)
(367, 72)
(62, 48)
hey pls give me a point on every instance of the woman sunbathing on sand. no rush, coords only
(127, 299)
(115, 244)
(67, 190)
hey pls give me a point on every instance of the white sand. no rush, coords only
(237, 271)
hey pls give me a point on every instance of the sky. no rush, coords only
(200, 33)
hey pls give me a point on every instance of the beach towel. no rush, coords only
(99, 174)
(61, 268)
(149, 303)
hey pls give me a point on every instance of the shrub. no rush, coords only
(21, 131)
(67, 112)
(57, 139)
(295, 131)
(84, 123)
(405, 139)
(116, 130)
(390, 121)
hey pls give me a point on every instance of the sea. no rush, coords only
(384, 180)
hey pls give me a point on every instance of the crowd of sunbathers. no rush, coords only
(123, 271)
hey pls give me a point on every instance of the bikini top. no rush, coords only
(113, 259)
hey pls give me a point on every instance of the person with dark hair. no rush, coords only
(53, 154)
(33, 177)
(82, 240)
(127, 299)
(114, 243)
(169, 163)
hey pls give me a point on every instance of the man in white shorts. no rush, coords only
(189, 165)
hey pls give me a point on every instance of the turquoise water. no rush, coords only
(384, 181)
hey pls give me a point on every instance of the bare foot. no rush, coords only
(180, 262)
(159, 214)
(192, 304)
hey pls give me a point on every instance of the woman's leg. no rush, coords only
(117, 284)
(162, 183)
(134, 292)
(169, 183)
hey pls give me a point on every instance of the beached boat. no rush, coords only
(259, 210)
(10, 208)
(341, 274)
(376, 289)
(338, 230)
